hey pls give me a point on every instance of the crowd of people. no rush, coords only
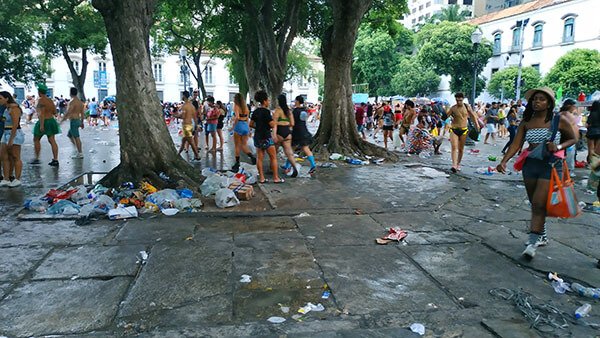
(535, 121)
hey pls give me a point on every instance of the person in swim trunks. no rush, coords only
(75, 114)
(45, 126)
(408, 117)
(460, 113)
(284, 122)
(188, 114)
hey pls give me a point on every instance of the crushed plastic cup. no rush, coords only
(245, 279)
(142, 257)
(304, 214)
(276, 320)
(418, 328)
(170, 211)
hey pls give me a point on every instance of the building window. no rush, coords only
(536, 67)
(452, 2)
(497, 44)
(494, 70)
(421, 7)
(414, 21)
(102, 66)
(569, 30)
(537, 35)
(467, 2)
(427, 5)
(161, 95)
(438, 2)
(516, 41)
(158, 73)
(414, 10)
(208, 75)
(19, 94)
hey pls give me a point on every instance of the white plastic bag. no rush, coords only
(225, 198)
(211, 184)
(251, 146)
(250, 171)
(396, 138)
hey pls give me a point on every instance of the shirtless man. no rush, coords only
(460, 113)
(188, 114)
(408, 117)
(46, 125)
(75, 114)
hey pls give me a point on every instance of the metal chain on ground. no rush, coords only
(545, 318)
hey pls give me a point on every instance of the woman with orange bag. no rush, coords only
(536, 129)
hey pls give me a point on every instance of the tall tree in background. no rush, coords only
(577, 71)
(17, 38)
(145, 142)
(71, 26)
(448, 49)
(502, 83)
(452, 13)
(191, 24)
(337, 131)
(412, 78)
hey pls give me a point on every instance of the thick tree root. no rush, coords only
(360, 150)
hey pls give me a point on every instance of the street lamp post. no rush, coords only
(476, 40)
(521, 26)
(184, 67)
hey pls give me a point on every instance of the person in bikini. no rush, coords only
(188, 114)
(241, 130)
(284, 120)
(460, 113)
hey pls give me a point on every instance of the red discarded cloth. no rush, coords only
(57, 194)
(394, 234)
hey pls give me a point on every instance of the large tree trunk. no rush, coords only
(199, 80)
(337, 131)
(145, 143)
(251, 70)
(275, 42)
(78, 79)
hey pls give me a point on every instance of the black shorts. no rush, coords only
(283, 131)
(388, 127)
(94, 116)
(593, 133)
(220, 125)
(302, 141)
(539, 169)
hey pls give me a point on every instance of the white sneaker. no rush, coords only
(15, 183)
(529, 251)
(4, 183)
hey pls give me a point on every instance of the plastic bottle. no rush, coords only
(585, 292)
(354, 161)
(583, 311)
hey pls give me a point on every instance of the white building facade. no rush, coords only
(101, 80)
(421, 10)
(555, 27)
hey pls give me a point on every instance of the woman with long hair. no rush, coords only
(284, 120)
(221, 123)
(568, 110)
(513, 125)
(241, 130)
(264, 135)
(593, 130)
(536, 129)
(11, 142)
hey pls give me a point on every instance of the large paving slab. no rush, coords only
(159, 229)
(15, 262)
(420, 220)
(283, 272)
(55, 233)
(61, 307)
(178, 275)
(243, 224)
(3, 289)
(555, 257)
(333, 230)
(380, 277)
(90, 261)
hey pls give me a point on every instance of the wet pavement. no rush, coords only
(466, 233)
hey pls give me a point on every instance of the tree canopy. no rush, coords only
(453, 13)
(18, 36)
(502, 83)
(412, 78)
(577, 71)
(448, 49)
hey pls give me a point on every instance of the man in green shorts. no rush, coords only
(46, 125)
(75, 115)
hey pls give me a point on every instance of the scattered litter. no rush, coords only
(284, 309)
(225, 198)
(276, 320)
(142, 257)
(329, 226)
(123, 213)
(75, 277)
(246, 279)
(433, 306)
(189, 238)
(311, 307)
(326, 295)
(296, 317)
(152, 304)
(358, 212)
(170, 211)
(356, 161)
(418, 328)
(474, 151)
(337, 157)
(489, 171)
(394, 235)
(492, 158)
(583, 311)
(584, 291)
(557, 283)
(520, 186)
(311, 237)
(304, 214)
